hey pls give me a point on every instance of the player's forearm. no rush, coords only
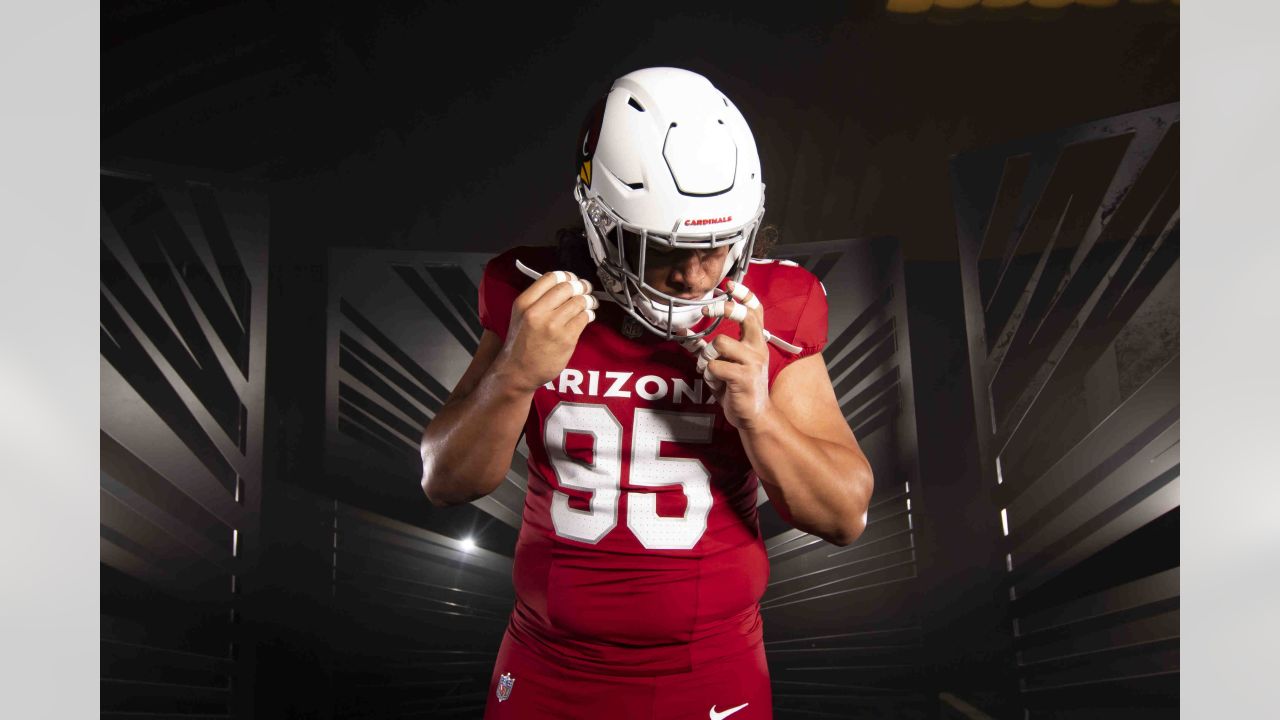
(466, 450)
(822, 487)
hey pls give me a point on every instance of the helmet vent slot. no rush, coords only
(632, 102)
(635, 185)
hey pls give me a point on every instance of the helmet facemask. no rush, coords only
(623, 275)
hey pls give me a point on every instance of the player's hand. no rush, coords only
(546, 320)
(738, 370)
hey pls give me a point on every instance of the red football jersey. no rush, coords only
(640, 550)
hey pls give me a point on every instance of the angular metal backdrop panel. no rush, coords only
(424, 618)
(1069, 247)
(402, 329)
(417, 617)
(183, 330)
(842, 625)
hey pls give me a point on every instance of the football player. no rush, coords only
(658, 388)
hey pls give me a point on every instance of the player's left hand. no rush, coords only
(738, 370)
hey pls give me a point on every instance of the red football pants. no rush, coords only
(540, 690)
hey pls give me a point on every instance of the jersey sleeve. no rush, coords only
(500, 284)
(801, 320)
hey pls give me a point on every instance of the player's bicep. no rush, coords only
(486, 353)
(803, 393)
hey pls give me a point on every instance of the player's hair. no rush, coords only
(766, 241)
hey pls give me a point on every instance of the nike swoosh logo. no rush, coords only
(725, 713)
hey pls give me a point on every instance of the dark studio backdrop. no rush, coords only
(297, 201)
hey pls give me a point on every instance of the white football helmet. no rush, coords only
(666, 161)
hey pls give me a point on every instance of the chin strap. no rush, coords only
(534, 274)
(744, 301)
(736, 311)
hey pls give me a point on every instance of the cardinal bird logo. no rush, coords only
(587, 141)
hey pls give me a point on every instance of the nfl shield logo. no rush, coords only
(504, 686)
(631, 328)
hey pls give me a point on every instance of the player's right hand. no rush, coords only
(546, 320)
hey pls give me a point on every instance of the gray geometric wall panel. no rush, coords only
(1069, 247)
(413, 619)
(842, 625)
(402, 329)
(418, 617)
(182, 341)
